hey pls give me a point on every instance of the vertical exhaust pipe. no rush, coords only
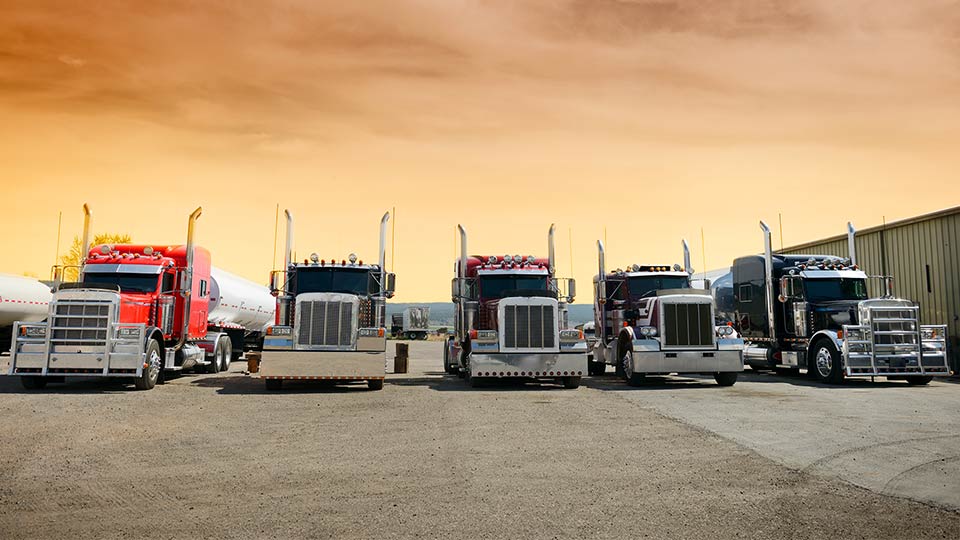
(851, 242)
(601, 289)
(186, 291)
(462, 268)
(383, 252)
(768, 277)
(288, 253)
(687, 267)
(552, 250)
(86, 233)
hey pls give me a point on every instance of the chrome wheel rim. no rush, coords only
(824, 362)
(153, 365)
(628, 363)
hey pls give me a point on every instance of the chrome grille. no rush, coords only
(80, 323)
(687, 325)
(529, 327)
(325, 323)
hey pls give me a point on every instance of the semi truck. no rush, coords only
(330, 322)
(21, 299)
(511, 320)
(814, 313)
(412, 323)
(138, 312)
(650, 321)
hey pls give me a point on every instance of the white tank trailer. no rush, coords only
(21, 299)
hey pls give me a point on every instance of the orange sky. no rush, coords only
(652, 118)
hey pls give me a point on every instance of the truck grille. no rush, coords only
(325, 323)
(529, 327)
(80, 323)
(687, 325)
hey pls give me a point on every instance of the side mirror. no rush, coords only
(391, 285)
(571, 290)
(454, 289)
(274, 281)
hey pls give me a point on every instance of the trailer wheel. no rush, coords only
(151, 373)
(32, 382)
(826, 362)
(273, 385)
(375, 384)
(571, 382)
(919, 380)
(626, 361)
(726, 378)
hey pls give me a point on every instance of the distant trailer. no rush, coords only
(413, 323)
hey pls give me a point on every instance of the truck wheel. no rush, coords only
(150, 374)
(227, 353)
(273, 385)
(32, 382)
(571, 382)
(216, 363)
(919, 380)
(826, 366)
(375, 384)
(633, 379)
(726, 378)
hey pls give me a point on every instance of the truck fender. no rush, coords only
(829, 334)
(152, 332)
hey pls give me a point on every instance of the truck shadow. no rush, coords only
(240, 384)
(611, 381)
(11, 385)
(443, 382)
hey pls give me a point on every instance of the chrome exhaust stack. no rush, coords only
(601, 287)
(86, 234)
(288, 254)
(383, 252)
(768, 277)
(552, 250)
(851, 242)
(687, 267)
(186, 289)
(462, 268)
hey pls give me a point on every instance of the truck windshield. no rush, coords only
(514, 285)
(826, 290)
(643, 286)
(339, 280)
(132, 283)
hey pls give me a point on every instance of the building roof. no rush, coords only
(893, 224)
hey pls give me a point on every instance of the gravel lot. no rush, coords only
(217, 456)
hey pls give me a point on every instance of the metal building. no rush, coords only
(921, 254)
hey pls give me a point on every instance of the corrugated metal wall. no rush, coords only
(923, 257)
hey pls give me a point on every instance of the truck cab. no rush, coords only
(511, 320)
(814, 312)
(650, 321)
(330, 320)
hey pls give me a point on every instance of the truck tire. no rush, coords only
(726, 378)
(824, 361)
(151, 374)
(227, 353)
(216, 360)
(273, 385)
(571, 382)
(919, 380)
(33, 382)
(375, 384)
(626, 362)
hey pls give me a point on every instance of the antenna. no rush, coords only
(56, 254)
(393, 237)
(570, 233)
(703, 251)
(780, 215)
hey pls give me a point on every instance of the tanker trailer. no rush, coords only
(241, 308)
(21, 299)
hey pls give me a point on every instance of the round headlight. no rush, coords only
(648, 331)
(531, 259)
(315, 258)
(517, 259)
(492, 259)
(352, 258)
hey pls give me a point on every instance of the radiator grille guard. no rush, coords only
(80, 323)
(529, 327)
(687, 325)
(328, 323)
(891, 342)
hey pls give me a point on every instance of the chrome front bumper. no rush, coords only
(528, 364)
(117, 357)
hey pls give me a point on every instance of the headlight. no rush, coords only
(648, 331)
(279, 331)
(571, 335)
(371, 332)
(33, 331)
(128, 333)
(929, 333)
(724, 331)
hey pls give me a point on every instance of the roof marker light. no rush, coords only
(353, 258)
(314, 257)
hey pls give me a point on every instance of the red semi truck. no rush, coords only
(139, 311)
